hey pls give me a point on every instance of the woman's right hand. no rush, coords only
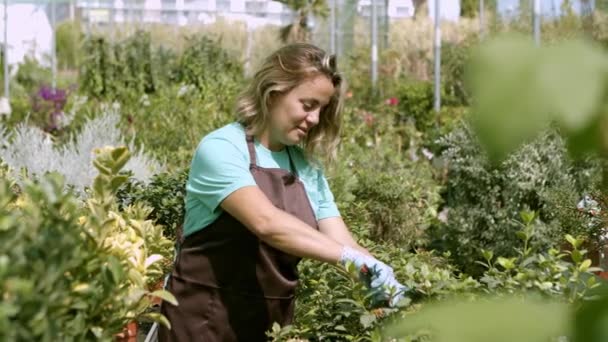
(381, 276)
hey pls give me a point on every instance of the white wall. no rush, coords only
(29, 33)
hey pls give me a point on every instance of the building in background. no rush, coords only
(31, 37)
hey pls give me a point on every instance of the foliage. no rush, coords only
(69, 37)
(470, 8)
(548, 273)
(483, 200)
(377, 186)
(164, 193)
(333, 305)
(454, 58)
(31, 74)
(94, 278)
(487, 319)
(171, 123)
(121, 70)
(513, 287)
(520, 89)
(184, 109)
(31, 149)
(416, 102)
(207, 66)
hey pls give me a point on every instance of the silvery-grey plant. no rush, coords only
(31, 148)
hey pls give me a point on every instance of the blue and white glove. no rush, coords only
(378, 276)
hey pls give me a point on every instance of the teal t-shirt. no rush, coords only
(221, 166)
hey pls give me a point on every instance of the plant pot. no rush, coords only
(128, 334)
(602, 274)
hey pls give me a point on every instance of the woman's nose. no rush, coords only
(313, 118)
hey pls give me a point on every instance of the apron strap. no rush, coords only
(251, 148)
(252, 155)
(292, 165)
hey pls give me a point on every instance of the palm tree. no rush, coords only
(299, 29)
(421, 8)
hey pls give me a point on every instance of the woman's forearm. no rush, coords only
(291, 235)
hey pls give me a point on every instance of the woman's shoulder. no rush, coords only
(227, 142)
(232, 134)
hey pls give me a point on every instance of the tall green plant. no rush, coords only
(71, 272)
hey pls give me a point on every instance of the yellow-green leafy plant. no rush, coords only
(74, 272)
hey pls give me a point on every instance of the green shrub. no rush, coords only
(171, 123)
(454, 57)
(164, 194)
(31, 75)
(331, 305)
(71, 272)
(416, 102)
(377, 184)
(207, 66)
(69, 37)
(548, 273)
(125, 70)
(483, 201)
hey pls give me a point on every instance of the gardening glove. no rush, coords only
(376, 275)
(396, 291)
(390, 293)
(378, 272)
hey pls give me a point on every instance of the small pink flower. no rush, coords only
(368, 118)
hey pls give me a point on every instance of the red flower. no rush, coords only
(393, 101)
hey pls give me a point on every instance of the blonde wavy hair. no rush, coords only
(282, 71)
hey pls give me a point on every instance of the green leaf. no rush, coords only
(522, 235)
(519, 89)
(116, 269)
(493, 319)
(97, 331)
(102, 168)
(508, 264)
(590, 320)
(509, 106)
(573, 74)
(587, 140)
(571, 240)
(367, 320)
(585, 265)
(527, 216)
(157, 317)
(165, 295)
(117, 181)
(487, 255)
(120, 156)
(576, 256)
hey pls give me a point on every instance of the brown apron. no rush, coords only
(230, 285)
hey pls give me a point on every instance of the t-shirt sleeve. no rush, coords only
(218, 169)
(327, 206)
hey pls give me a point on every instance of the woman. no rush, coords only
(257, 202)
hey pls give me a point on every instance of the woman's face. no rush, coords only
(293, 114)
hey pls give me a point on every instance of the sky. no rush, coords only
(548, 7)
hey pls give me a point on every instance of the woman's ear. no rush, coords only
(272, 97)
